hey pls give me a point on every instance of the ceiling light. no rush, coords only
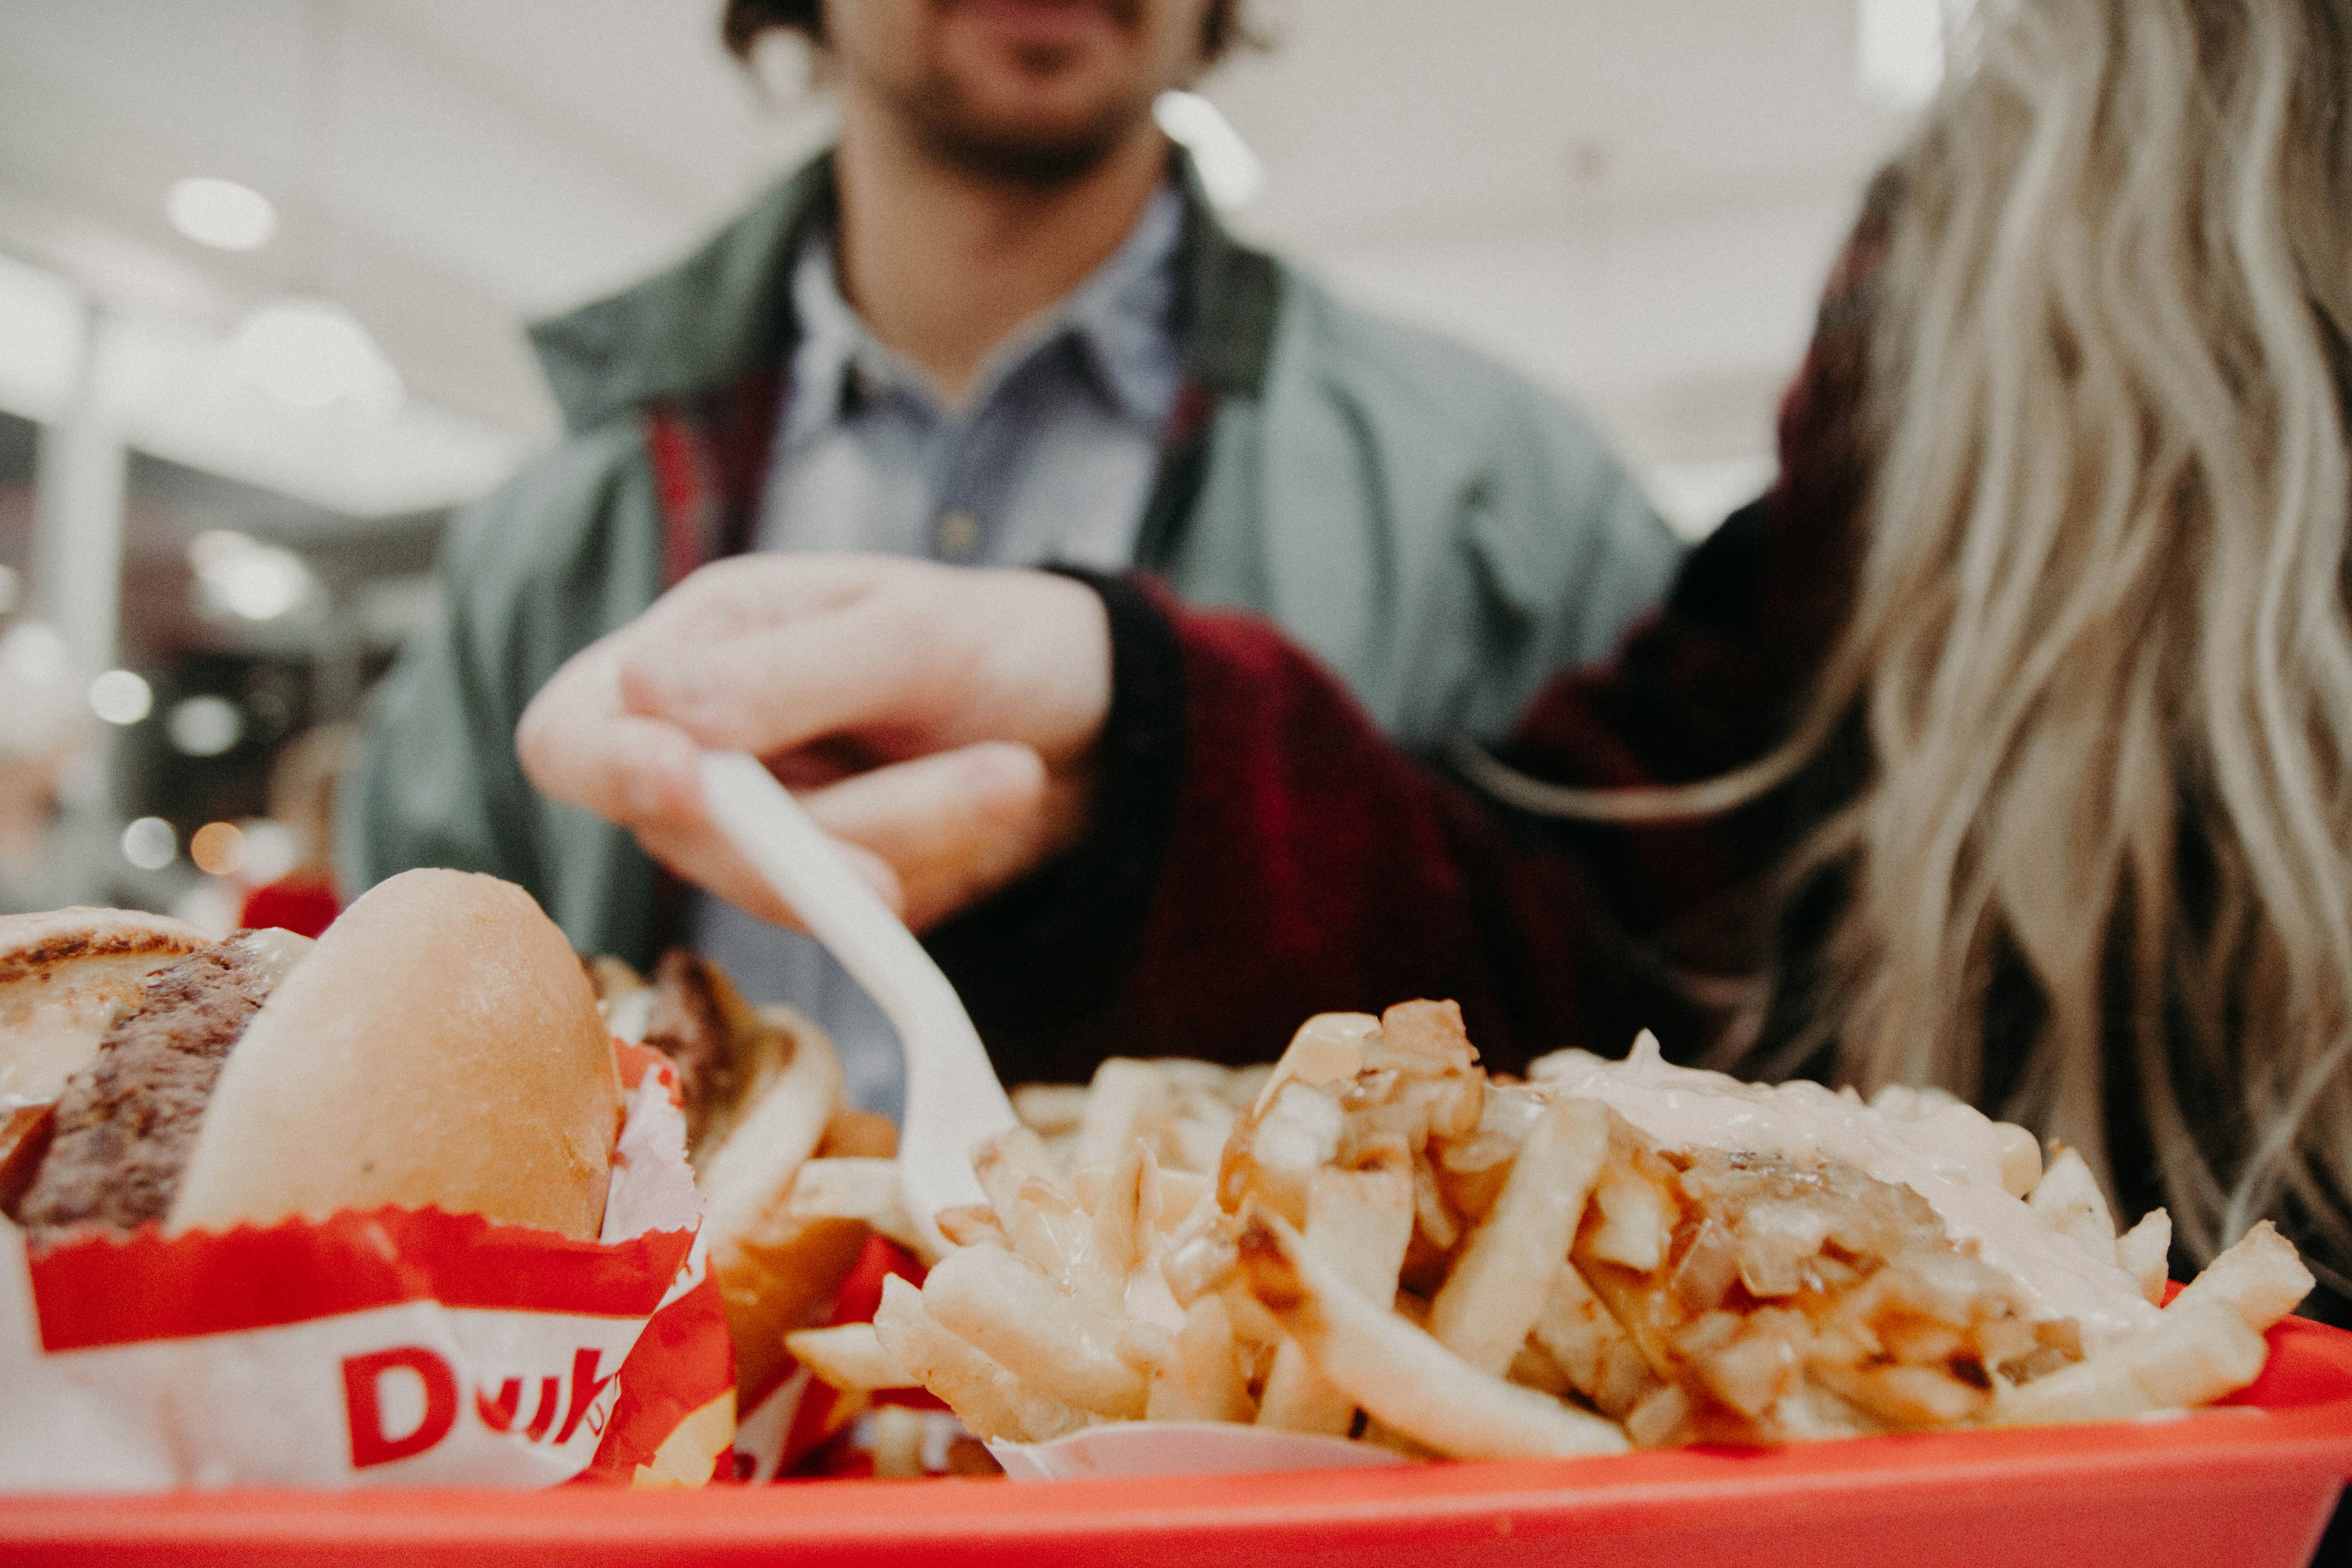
(1230, 172)
(221, 214)
(121, 697)
(242, 577)
(313, 353)
(204, 726)
(149, 844)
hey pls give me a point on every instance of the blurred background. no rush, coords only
(263, 264)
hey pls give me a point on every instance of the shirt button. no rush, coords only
(959, 535)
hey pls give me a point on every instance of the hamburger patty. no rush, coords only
(127, 1123)
(689, 1025)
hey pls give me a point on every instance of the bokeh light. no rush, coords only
(313, 353)
(33, 653)
(149, 844)
(271, 849)
(204, 726)
(121, 697)
(221, 214)
(245, 577)
(217, 848)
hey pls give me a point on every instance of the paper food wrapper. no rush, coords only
(786, 1427)
(1182, 1449)
(398, 1347)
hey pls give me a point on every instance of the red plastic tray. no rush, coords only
(2249, 1486)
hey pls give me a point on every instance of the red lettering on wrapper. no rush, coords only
(586, 1386)
(364, 1410)
(499, 1415)
(550, 1400)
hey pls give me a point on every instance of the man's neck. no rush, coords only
(944, 263)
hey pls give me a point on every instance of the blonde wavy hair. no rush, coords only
(2099, 642)
(2100, 633)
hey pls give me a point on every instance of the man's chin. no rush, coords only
(1039, 151)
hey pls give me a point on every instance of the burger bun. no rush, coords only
(440, 1048)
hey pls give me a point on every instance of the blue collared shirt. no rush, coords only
(1049, 458)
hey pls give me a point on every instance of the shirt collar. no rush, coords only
(1119, 316)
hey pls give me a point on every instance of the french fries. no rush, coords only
(2069, 1201)
(2143, 1250)
(2190, 1358)
(1203, 1378)
(989, 1400)
(1359, 1225)
(1181, 1109)
(1397, 1372)
(1392, 1247)
(849, 1358)
(1496, 1293)
(1055, 1342)
(2259, 1279)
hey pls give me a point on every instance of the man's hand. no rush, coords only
(939, 721)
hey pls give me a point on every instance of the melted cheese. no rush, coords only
(1952, 1157)
(275, 952)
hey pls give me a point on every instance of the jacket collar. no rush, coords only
(725, 313)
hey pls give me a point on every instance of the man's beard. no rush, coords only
(952, 131)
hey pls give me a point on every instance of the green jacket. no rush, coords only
(1440, 534)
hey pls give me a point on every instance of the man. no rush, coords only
(996, 325)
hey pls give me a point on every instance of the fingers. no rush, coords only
(954, 826)
(993, 684)
(746, 593)
(759, 653)
(772, 688)
(912, 657)
(876, 873)
(931, 837)
(698, 854)
(577, 745)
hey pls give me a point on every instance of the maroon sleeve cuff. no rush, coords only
(1055, 947)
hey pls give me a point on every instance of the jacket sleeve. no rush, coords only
(436, 782)
(1261, 852)
(1572, 555)
(566, 552)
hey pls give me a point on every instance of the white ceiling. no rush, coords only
(1634, 202)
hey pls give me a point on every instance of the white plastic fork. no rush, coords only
(954, 1101)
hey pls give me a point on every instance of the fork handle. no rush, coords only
(953, 1099)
